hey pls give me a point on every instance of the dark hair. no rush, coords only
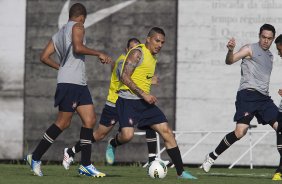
(278, 40)
(132, 40)
(267, 27)
(76, 10)
(156, 30)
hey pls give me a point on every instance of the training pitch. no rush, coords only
(55, 174)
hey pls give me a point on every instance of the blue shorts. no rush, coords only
(138, 112)
(250, 103)
(109, 116)
(69, 96)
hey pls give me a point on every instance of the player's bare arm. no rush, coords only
(232, 57)
(129, 66)
(45, 56)
(78, 32)
(155, 80)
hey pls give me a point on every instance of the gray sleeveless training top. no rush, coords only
(255, 71)
(72, 67)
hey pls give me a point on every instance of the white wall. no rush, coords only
(12, 48)
(206, 87)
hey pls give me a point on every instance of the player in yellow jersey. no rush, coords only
(109, 115)
(136, 106)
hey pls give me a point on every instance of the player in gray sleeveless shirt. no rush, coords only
(72, 93)
(252, 97)
(72, 67)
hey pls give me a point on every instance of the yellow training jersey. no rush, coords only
(143, 73)
(114, 83)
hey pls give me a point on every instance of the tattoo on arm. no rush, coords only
(129, 67)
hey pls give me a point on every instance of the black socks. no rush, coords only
(47, 140)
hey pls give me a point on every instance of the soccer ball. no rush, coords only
(157, 169)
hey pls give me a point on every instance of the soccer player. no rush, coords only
(278, 172)
(278, 42)
(72, 93)
(252, 97)
(109, 114)
(136, 106)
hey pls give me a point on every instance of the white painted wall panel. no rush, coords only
(12, 48)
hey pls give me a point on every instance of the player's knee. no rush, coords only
(167, 130)
(90, 121)
(99, 136)
(166, 134)
(62, 124)
(240, 133)
(126, 137)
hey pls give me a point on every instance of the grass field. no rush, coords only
(55, 174)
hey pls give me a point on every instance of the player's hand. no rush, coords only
(231, 44)
(155, 80)
(280, 92)
(105, 59)
(151, 99)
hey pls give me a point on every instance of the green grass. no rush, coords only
(55, 174)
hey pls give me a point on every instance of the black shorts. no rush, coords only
(138, 112)
(69, 96)
(250, 103)
(109, 116)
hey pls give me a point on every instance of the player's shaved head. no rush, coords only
(134, 40)
(76, 10)
(155, 30)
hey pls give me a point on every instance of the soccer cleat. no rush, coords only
(90, 171)
(34, 165)
(110, 153)
(187, 175)
(206, 166)
(277, 176)
(68, 160)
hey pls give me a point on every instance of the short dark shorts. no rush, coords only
(109, 116)
(138, 112)
(250, 103)
(69, 96)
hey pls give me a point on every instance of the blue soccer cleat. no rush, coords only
(34, 165)
(187, 175)
(110, 153)
(90, 171)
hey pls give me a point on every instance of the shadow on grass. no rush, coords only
(107, 176)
